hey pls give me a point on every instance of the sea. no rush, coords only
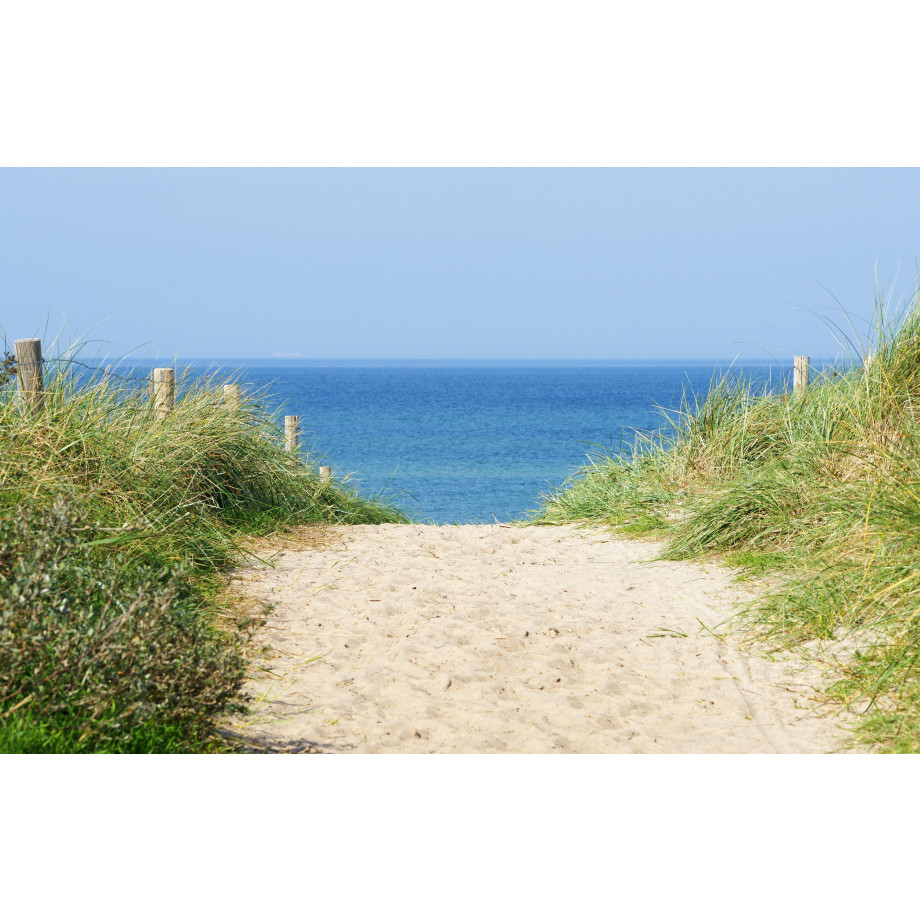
(475, 441)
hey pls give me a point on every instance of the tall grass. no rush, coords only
(822, 489)
(114, 527)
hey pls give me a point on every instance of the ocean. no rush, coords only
(471, 442)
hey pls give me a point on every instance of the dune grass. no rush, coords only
(115, 528)
(821, 490)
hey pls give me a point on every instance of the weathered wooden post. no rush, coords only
(29, 372)
(163, 383)
(291, 432)
(800, 372)
(325, 472)
(232, 395)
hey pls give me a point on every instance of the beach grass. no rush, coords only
(819, 490)
(116, 530)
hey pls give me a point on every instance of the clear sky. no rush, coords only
(452, 263)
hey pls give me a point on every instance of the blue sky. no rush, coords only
(444, 263)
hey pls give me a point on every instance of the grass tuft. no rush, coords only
(821, 489)
(115, 528)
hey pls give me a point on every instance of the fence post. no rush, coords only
(232, 395)
(163, 382)
(291, 432)
(29, 372)
(800, 373)
(325, 472)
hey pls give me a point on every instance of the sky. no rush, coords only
(453, 263)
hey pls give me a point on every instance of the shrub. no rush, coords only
(114, 528)
(103, 653)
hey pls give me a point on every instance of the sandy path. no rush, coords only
(508, 639)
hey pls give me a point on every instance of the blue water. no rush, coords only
(472, 443)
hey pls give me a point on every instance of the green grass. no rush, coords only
(821, 490)
(754, 562)
(115, 529)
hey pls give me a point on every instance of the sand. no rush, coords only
(478, 639)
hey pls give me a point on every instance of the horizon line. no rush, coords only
(644, 360)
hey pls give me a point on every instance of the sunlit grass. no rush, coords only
(114, 529)
(821, 489)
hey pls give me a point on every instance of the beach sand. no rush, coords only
(478, 639)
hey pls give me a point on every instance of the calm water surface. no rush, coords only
(473, 443)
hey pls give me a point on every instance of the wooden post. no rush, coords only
(291, 432)
(163, 380)
(232, 395)
(800, 372)
(325, 472)
(29, 371)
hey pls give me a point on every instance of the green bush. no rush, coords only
(102, 652)
(114, 529)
